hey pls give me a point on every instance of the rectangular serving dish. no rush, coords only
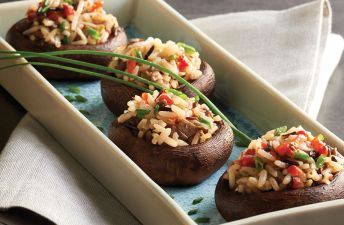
(239, 86)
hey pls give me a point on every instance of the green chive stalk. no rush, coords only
(72, 69)
(245, 140)
(28, 55)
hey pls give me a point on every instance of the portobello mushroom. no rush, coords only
(57, 21)
(303, 170)
(234, 206)
(181, 165)
(116, 96)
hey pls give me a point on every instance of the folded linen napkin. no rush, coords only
(37, 173)
(293, 49)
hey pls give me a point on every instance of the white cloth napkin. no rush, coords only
(37, 173)
(293, 49)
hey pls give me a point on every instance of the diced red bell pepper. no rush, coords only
(247, 161)
(284, 149)
(53, 15)
(323, 151)
(97, 5)
(250, 152)
(131, 65)
(31, 14)
(319, 146)
(182, 64)
(145, 97)
(264, 145)
(302, 132)
(296, 183)
(294, 171)
(166, 98)
(68, 10)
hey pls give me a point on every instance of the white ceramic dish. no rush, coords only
(236, 83)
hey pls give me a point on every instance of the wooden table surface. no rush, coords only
(331, 113)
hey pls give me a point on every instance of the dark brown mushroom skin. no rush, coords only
(179, 166)
(22, 43)
(116, 96)
(234, 206)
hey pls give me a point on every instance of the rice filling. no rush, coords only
(170, 118)
(284, 159)
(179, 58)
(76, 22)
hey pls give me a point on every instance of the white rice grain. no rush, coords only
(280, 164)
(263, 154)
(31, 30)
(124, 117)
(262, 178)
(286, 179)
(271, 170)
(274, 183)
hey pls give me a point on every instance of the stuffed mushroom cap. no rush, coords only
(282, 169)
(67, 25)
(176, 141)
(179, 58)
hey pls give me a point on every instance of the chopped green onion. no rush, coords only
(188, 49)
(80, 98)
(171, 196)
(321, 137)
(70, 2)
(93, 33)
(280, 130)
(202, 220)
(259, 164)
(196, 98)
(320, 162)
(156, 109)
(91, 73)
(66, 40)
(44, 9)
(81, 63)
(193, 212)
(301, 156)
(74, 89)
(204, 121)
(141, 113)
(62, 26)
(70, 98)
(138, 54)
(197, 200)
(172, 57)
(177, 93)
(85, 112)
